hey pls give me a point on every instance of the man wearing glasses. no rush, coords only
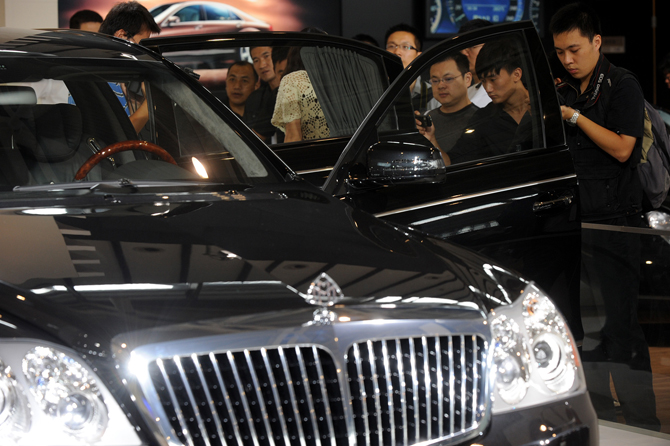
(403, 41)
(450, 79)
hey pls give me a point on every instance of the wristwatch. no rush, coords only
(573, 119)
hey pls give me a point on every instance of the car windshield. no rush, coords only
(136, 118)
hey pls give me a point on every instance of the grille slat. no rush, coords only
(210, 399)
(227, 400)
(273, 387)
(324, 393)
(308, 394)
(259, 397)
(194, 404)
(402, 391)
(175, 403)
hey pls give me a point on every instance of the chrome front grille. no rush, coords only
(279, 396)
(406, 391)
(400, 392)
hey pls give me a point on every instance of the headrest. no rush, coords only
(49, 133)
(15, 95)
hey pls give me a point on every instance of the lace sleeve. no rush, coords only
(287, 107)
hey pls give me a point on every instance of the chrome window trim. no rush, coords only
(475, 195)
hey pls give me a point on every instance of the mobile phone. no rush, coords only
(425, 120)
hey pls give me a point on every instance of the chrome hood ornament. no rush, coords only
(324, 292)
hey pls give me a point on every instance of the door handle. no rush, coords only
(555, 203)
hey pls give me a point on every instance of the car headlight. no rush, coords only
(659, 220)
(49, 396)
(534, 355)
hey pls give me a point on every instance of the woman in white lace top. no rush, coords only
(297, 110)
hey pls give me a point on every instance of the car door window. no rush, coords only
(330, 90)
(189, 14)
(463, 131)
(215, 12)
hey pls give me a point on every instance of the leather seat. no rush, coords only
(51, 140)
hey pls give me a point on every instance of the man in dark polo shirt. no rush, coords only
(450, 78)
(603, 110)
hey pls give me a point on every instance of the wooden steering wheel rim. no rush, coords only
(122, 146)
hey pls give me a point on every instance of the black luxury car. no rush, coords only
(181, 285)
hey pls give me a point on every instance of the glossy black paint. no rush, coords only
(520, 209)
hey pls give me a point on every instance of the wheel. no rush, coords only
(122, 146)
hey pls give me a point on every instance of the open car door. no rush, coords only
(516, 203)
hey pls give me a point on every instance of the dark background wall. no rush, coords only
(633, 20)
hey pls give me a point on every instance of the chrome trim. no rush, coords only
(259, 396)
(210, 400)
(275, 394)
(464, 380)
(415, 388)
(175, 402)
(471, 196)
(440, 390)
(475, 379)
(628, 229)
(324, 392)
(308, 171)
(375, 380)
(428, 386)
(389, 389)
(308, 394)
(191, 398)
(243, 396)
(138, 364)
(403, 387)
(452, 380)
(226, 397)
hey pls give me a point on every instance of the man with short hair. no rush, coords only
(504, 125)
(129, 21)
(86, 20)
(133, 22)
(604, 113)
(450, 79)
(240, 83)
(403, 40)
(261, 103)
(476, 93)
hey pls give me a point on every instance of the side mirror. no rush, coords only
(173, 20)
(395, 162)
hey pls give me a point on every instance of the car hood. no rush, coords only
(96, 265)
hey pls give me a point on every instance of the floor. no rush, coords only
(614, 434)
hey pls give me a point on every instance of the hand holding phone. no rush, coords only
(425, 120)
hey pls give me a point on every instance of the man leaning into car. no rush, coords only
(133, 22)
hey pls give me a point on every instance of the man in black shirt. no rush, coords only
(504, 125)
(604, 112)
(261, 103)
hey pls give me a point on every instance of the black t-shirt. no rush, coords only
(449, 126)
(490, 132)
(258, 111)
(608, 188)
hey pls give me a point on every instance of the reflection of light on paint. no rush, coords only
(48, 211)
(199, 168)
(19, 297)
(648, 262)
(344, 319)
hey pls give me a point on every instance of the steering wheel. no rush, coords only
(122, 146)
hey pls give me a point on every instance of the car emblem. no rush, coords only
(324, 292)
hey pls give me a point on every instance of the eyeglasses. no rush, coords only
(393, 46)
(447, 80)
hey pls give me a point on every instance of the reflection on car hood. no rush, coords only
(157, 260)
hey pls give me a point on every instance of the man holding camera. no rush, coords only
(450, 79)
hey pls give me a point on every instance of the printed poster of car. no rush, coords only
(182, 18)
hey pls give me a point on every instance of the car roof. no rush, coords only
(69, 43)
